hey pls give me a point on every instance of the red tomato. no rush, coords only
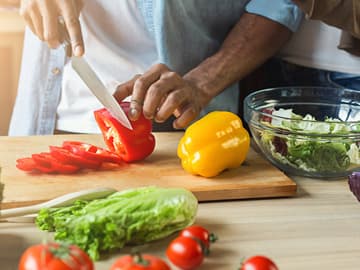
(139, 262)
(53, 256)
(92, 152)
(258, 262)
(199, 232)
(185, 252)
(67, 157)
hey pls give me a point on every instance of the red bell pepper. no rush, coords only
(48, 164)
(91, 152)
(28, 164)
(65, 156)
(130, 145)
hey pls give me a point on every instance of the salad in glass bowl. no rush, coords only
(307, 131)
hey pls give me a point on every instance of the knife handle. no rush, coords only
(65, 200)
(20, 211)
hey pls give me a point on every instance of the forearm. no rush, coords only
(250, 43)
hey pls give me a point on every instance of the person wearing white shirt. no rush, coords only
(200, 49)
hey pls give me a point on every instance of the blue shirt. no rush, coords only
(185, 33)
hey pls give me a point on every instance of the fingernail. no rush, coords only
(78, 50)
(133, 113)
(159, 120)
(175, 125)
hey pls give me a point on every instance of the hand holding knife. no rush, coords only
(93, 82)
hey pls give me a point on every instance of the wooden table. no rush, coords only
(319, 228)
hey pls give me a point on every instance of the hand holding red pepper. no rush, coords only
(160, 92)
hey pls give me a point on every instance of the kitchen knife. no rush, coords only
(88, 75)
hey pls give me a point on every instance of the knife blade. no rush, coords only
(88, 75)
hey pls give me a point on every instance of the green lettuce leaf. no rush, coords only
(134, 216)
(318, 154)
(322, 157)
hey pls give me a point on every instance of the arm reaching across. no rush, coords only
(161, 92)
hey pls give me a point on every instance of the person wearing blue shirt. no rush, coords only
(171, 59)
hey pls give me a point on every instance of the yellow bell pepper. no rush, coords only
(216, 142)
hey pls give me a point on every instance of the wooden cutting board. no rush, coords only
(256, 178)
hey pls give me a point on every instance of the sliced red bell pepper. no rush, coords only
(48, 164)
(130, 145)
(28, 164)
(65, 156)
(91, 152)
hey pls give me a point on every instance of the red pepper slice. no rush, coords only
(28, 165)
(91, 152)
(65, 156)
(130, 145)
(46, 161)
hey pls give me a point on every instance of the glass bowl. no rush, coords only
(307, 131)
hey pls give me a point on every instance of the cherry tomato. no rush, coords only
(185, 252)
(53, 256)
(92, 152)
(199, 232)
(258, 262)
(67, 157)
(139, 262)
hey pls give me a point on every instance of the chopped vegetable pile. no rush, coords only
(69, 158)
(133, 216)
(312, 150)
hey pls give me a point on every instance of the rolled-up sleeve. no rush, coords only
(284, 12)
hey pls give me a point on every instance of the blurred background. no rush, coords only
(11, 42)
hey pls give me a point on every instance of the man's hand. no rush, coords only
(42, 17)
(160, 93)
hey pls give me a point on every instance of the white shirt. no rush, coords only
(117, 46)
(315, 46)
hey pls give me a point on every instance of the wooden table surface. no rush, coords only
(319, 228)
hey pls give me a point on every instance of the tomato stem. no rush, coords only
(204, 248)
(213, 238)
(61, 251)
(138, 259)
